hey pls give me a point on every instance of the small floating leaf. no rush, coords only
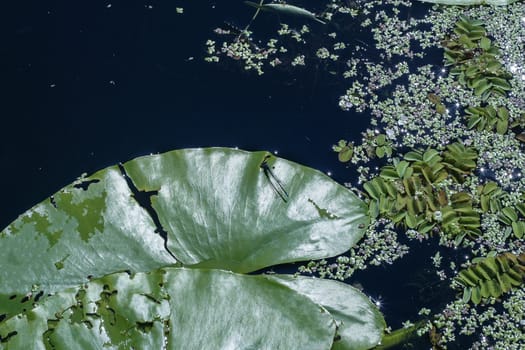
(467, 293)
(500, 82)
(401, 168)
(518, 228)
(484, 43)
(380, 152)
(502, 126)
(413, 156)
(482, 87)
(346, 154)
(381, 139)
(493, 66)
(510, 213)
(490, 187)
(521, 208)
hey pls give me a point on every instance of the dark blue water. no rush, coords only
(87, 86)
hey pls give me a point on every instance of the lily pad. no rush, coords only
(218, 206)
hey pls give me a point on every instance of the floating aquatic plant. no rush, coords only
(511, 216)
(377, 145)
(345, 150)
(460, 160)
(63, 280)
(475, 60)
(519, 123)
(490, 195)
(492, 276)
(491, 200)
(383, 147)
(488, 118)
(409, 192)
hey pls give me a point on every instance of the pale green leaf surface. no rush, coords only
(360, 323)
(174, 308)
(90, 232)
(221, 211)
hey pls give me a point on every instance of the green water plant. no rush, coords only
(345, 150)
(184, 227)
(409, 192)
(374, 144)
(459, 160)
(383, 147)
(514, 218)
(491, 276)
(377, 145)
(491, 198)
(179, 308)
(176, 308)
(488, 118)
(474, 60)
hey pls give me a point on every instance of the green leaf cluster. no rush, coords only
(383, 147)
(474, 59)
(491, 197)
(345, 150)
(488, 118)
(514, 217)
(492, 276)
(459, 160)
(377, 145)
(407, 192)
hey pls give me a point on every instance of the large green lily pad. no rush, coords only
(217, 205)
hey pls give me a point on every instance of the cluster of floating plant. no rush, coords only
(467, 320)
(475, 60)
(413, 191)
(471, 190)
(491, 276)
(488, 118)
